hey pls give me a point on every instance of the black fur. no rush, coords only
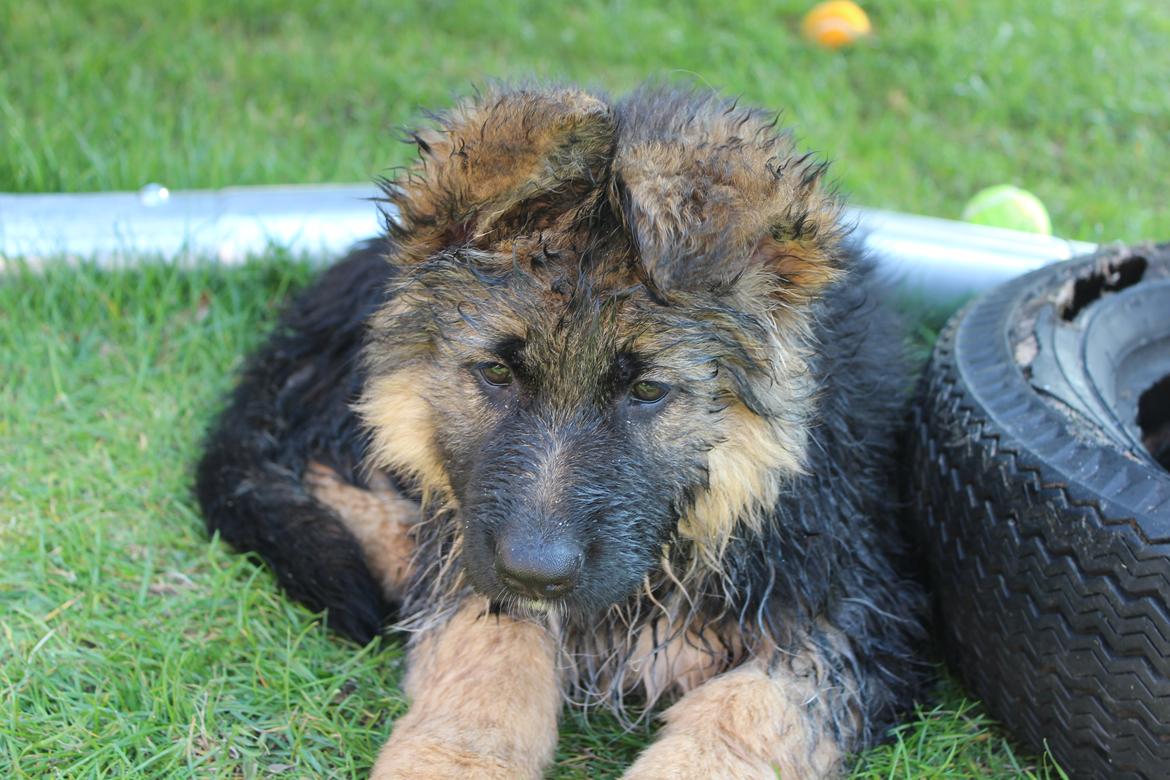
(852, 572)
(292, 405)
(821, 554)
(832, 552)
(828, 558)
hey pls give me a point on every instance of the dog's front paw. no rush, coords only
(681, 757)
(426, 758)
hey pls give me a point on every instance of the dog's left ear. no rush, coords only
(801, 243)
(506, 163)
(712, 194)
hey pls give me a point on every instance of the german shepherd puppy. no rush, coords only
(609, 415)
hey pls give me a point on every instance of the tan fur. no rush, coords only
(380, 519)
(671, 660)
(751, 723)
(508, 180)
(484, 696)
(721, 187)
(724, 183)
(748, 468)
(492, 154)
(800, 263)
(746, 472)
(395, 409)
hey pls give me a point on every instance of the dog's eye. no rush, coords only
(648, 392)
(496, 374)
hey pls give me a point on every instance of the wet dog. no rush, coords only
(608, 415)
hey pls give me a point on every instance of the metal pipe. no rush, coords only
(948, 259)
(936, 256)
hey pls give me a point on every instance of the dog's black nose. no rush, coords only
(538, 568)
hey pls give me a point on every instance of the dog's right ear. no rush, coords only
(499, 165)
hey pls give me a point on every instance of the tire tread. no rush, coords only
(1055, 603)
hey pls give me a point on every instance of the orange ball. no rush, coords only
(835, 24)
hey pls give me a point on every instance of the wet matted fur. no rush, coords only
(607, 415)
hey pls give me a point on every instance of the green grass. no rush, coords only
(1067, 100)
(129, 645)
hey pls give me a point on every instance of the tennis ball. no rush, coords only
(1005, 206)
(835, 24)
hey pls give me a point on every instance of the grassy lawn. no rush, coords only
(129, 646)
(1065, 99)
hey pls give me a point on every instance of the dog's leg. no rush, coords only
(768, 719)
(484, 694)
(380, 520)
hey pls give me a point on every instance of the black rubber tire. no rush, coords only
(1047, 534)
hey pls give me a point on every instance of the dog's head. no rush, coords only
(597, 341)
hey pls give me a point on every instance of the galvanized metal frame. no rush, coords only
(941, 257)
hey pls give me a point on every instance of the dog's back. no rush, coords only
(292, 408)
